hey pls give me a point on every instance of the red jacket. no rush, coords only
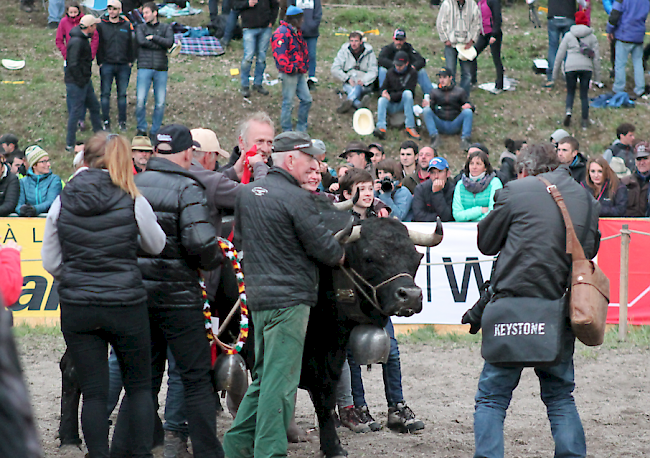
(63, 35)
(11, 278)
(289, 49)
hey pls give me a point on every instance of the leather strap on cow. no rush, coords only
(353, 275)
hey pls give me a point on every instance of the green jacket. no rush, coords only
(467, 206)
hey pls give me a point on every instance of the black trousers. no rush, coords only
(495, 48)
(571, 85)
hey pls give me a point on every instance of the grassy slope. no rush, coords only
(201, 91)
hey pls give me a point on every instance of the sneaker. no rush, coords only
(549, 84)
(585, 123)
(82, 126)
(69, 149)
(245, 91)
(175, 446)
(350, 419)
(567, 119)
(411, 132)
(345, 106)
(365, 101)
(364, 415)
(402, 418)
(140, 133)
(379, 133)
(311, 85)
(435, 142)
(464, 143)
(261, 89)
(107, 125)
(123, 126)
(53, 25)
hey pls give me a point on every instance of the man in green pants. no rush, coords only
(282, 236)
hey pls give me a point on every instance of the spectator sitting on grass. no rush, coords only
(387, 56)
(40, 187)
(390, 191)
(474, 193)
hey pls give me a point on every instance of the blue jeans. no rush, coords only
(231, 23)
(462, 123)
(145, 77)
(391, 371)
(622, 52)
(311, 47)
(256, 43)
(121, 73)
(557, 27)
(384, 106)
(451, 58)
(356, 92)
(55, 10)
(175, 418)
(292, 85)
(78, 99)
(423, 79)
(495, 388)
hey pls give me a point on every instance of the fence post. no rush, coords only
(622, 302)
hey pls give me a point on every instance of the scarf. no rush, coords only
(474, 186)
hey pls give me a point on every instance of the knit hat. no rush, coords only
(33, 154)
(582, 18)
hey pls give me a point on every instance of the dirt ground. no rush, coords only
(439, 381)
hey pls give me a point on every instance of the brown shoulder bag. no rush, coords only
(589, 285)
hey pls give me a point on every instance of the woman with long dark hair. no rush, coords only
(90, 243)
(606, 187)
(474, 193)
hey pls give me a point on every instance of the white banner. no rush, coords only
(449, 290)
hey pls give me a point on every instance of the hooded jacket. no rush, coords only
(507, 172)
(625, 152)
(289, 50)
(428, 205)
(578, 168)
(9, 191)
(79, 60)
(152, 54)
(459, 25)
(447, 102)
(612, 205)
(575, 59)
(396, 83)
(63, 35)
(312, 11)
(627, 20)
(365, 67)
(116, 42)
(38, 191)
(387, 55)
(264, 12)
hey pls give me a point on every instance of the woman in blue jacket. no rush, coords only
(389, 190)
(40, 186)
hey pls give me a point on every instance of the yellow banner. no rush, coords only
(39, 301)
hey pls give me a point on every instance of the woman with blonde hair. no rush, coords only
(606, 188)
(92, 234)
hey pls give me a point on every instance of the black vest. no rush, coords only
(99, 241)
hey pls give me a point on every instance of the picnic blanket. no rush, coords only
(199, 46)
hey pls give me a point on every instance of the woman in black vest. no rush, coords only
(91, 237)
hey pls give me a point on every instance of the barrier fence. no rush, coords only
(450, 274)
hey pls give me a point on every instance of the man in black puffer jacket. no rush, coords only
(172, 282)
(387, 55)
(283, 237)
(154, 38)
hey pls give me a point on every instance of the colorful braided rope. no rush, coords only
(230, 253)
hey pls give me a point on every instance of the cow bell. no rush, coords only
(369, 344)
(230, 373)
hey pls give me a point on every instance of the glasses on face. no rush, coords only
(43, 161)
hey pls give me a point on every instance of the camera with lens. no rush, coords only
(386, 184)
(473, 316)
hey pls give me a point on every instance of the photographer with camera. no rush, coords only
(390, 191)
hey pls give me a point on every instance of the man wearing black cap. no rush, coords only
(377, 151)
(283, 237)
(448, 111)
(397, 94)
(9, 142)
(387, 56)
(173, 283)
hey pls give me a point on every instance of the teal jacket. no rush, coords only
(39, 191)
(467, 206)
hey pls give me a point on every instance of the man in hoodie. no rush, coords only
(312, 14)
(292, 60)
(627, 25)
(397, 94)
(459, 24)
(115, 58)
(623, 147)
(561, 14)
(569, 154)
(387, 56)
(356, 66)
(448, 111)
(79, 87)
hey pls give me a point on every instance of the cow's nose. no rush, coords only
(408, 294)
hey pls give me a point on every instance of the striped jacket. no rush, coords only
(459, 24)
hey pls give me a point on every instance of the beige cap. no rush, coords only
(208, 141)
(89, 20)
(141, 143)
(115, 4)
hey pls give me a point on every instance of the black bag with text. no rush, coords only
(523, 331)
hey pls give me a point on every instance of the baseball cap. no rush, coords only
(141, 143)
(293, 11)
(443, 72)
(292, 141)
(115, 4)
(559, 135)
(439, 163)
(642, 149)
(401, 58)
(376, 145)
(208, 142)
(320, 145)
(173, 139)
(399, 34)
(89, 20)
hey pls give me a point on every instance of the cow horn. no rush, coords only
(344, 206)
(422, 239)
(356, 234)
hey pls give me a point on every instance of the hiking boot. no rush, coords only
(175, 445)
(364, 415)
(567, 119)
(411, 132)
(365, 101)
(379, 133)
(350, 419)
(402, 419)
(585, 123)
(52, 25)
(259, 88)
(464, 143)
(345, 106)
(245, 91)
(435, 142)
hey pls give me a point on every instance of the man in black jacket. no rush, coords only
(80, 94)
(283, 237)
(387, 56)
(561, 16)
(527, 229)
(568, 152)
(115, 58)
(433, 198)
(172, 282)
(397, 95)
(257, 19)
(448, 111)
(154, 38)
